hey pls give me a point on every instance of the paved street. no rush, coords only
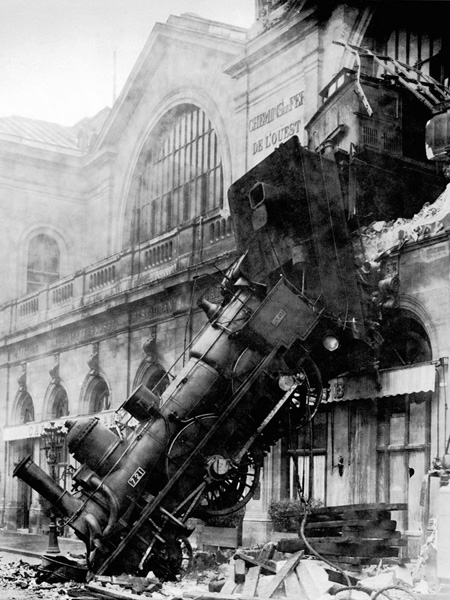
(31, 545)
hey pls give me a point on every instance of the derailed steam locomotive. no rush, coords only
(295, 309)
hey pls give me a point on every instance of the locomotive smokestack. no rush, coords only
(29, 472)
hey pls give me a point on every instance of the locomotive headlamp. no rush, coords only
(330, 342)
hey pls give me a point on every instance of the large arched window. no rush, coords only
(416, 37)
(42, 263)
(178, 175)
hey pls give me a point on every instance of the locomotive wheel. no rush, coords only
(228, 494)
(229, 486)
(311, 384)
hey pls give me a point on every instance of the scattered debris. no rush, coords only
(60, 568)
(381, 236)
(248, 575)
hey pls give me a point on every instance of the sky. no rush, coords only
(56, 56)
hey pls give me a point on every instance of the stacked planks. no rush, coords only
(355, 535)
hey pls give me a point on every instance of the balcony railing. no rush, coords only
(28, 307)
(152, 260)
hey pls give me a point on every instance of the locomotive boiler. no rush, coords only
(294, 308)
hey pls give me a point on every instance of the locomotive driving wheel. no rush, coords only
(228, 486)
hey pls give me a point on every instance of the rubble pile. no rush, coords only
(249, 574)
(22, 576)
(303, 578)
(381, 237)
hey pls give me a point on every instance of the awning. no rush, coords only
(36, 429)
(411, 379)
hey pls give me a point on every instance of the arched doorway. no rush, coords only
(24, 413)
(57, 407)
(404, 427)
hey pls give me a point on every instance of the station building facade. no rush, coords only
(112, 229)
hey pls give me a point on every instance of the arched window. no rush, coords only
(416, 37)
(98, 396)
(59, 403)
(25, 408)
(156, 379)
(43, 262)
(179, 173)
(405, 342)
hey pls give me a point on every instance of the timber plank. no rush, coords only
(324, 532)
(267, 567)
(380, 506)
(339, 518)
(313, 579)
(391, 538)
(263, 585)
(356, 515)
(218, 596)
(251, 581)
(366, 549)
(293, 587)
(384, 526)
(229, 586)
(99, 589)
(287, 568)
(361, 523)
(358, 541)
(361, 560)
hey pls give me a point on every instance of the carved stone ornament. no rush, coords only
(93, 362)
(54, 371)
(270, 12)
(339, 387)
(22, 379)
(149, 346)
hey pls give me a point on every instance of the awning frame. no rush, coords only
(395, 381)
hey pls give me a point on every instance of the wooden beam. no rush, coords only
(287, 568)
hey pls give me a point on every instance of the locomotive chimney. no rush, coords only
(29, 472)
